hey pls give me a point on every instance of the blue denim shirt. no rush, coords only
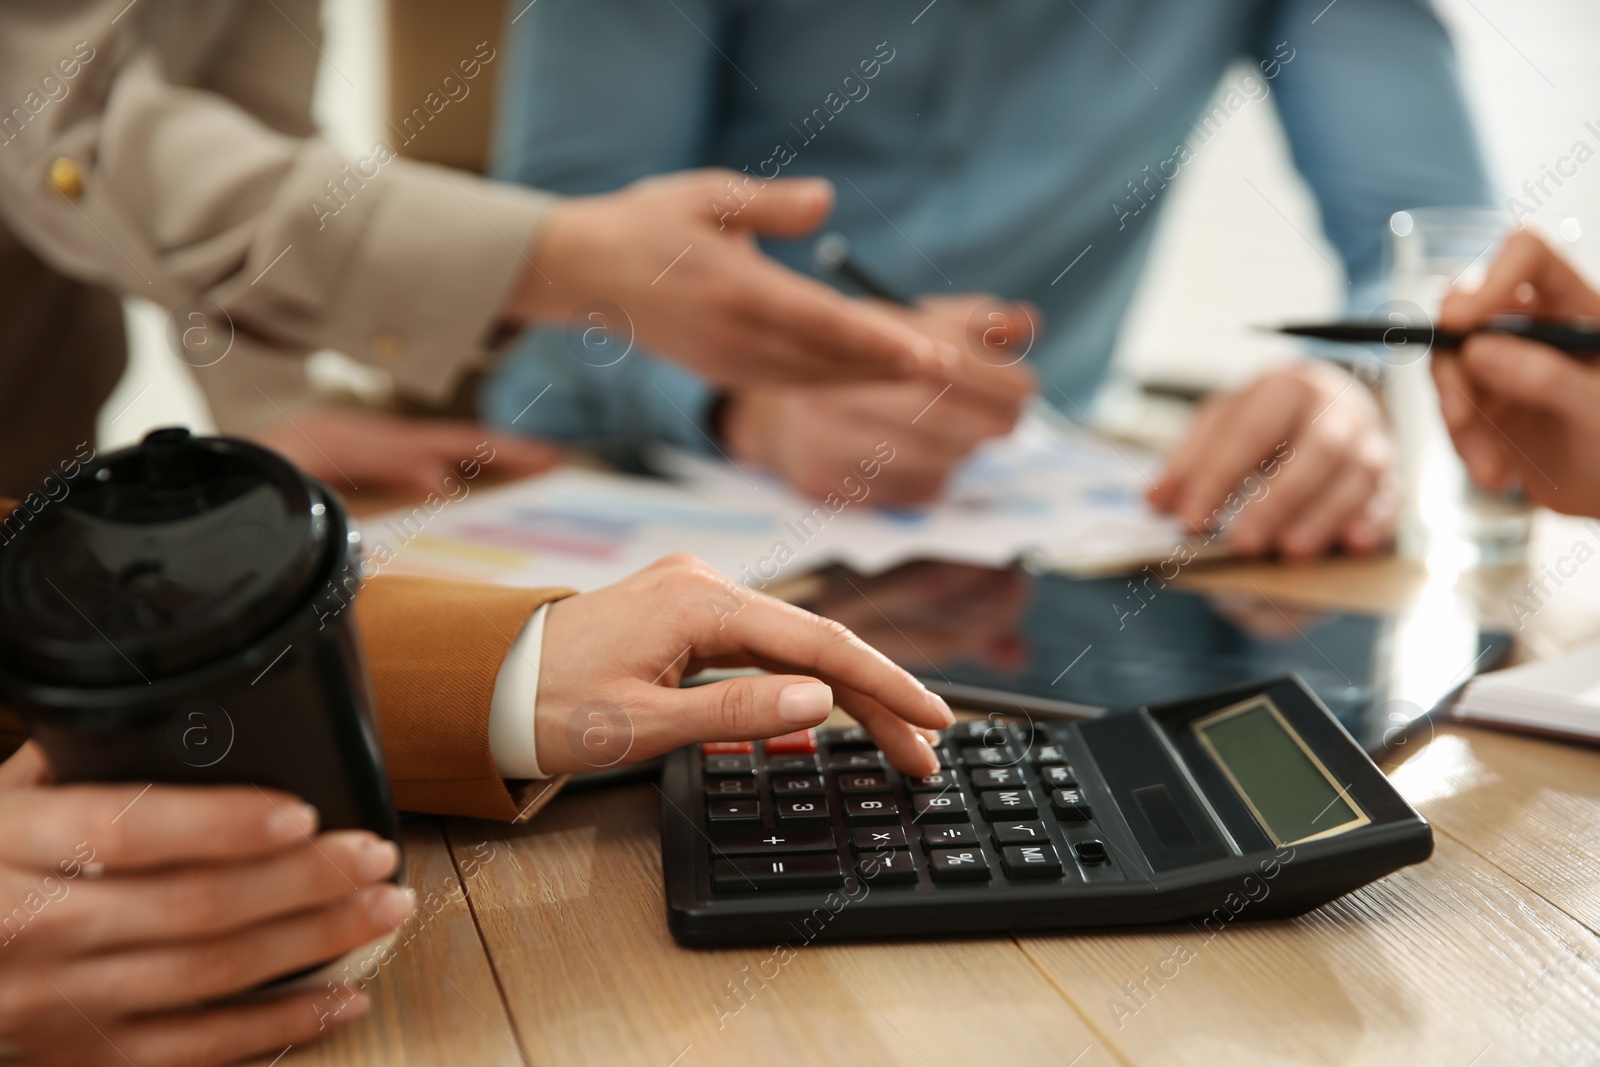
(975, 144)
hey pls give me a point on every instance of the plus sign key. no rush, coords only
(757, 841)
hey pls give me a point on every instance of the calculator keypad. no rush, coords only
(809, 809)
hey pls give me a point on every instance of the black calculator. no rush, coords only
(1249, 804)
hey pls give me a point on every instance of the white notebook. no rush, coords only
(1559, 695)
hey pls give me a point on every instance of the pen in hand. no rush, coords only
(832, 255)
(1580, 340)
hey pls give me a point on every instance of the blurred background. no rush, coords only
(1239, 245)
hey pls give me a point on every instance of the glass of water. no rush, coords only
(1446, 520)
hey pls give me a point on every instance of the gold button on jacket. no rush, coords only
(66, 177)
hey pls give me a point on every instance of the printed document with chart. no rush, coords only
(1061, 496)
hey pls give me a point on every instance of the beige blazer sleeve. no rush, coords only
(164, 149)
(434, 649)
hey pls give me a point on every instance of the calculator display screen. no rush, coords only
(1287, 788)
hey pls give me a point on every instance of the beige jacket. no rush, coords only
(165, 148)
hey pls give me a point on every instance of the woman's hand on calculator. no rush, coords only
(612, 660)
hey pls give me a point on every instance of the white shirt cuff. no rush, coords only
(516, 691)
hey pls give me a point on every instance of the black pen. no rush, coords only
(832, 254)
(1580, 340)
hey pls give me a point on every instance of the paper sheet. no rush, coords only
(1048, 491)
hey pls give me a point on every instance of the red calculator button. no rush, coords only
(727, 748)
(799, 743)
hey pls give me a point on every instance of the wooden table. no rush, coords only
(550, 946)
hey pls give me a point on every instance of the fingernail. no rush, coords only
(290, 821)
(948, 353)
(937, 703)
(376, 858)
(805, 702)
(388, 905)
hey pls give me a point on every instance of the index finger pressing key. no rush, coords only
(132, 827)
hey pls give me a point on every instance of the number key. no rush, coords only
(940, 807)
(933, 783)
(871, 811)
(796, 764)
(797, 785)
(854, 761)
(851, 737)
(724, 787)
(863, 782)
(730, 765)
(811, 808)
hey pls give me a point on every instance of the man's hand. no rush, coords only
(369, 450)
(128, 912)
(612, 659)
(1521, 412)
(678, 255)
(815, 435)
(1298, 461)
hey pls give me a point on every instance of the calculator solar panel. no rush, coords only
(1247, 804)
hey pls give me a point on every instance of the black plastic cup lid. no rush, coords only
(157, 559)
